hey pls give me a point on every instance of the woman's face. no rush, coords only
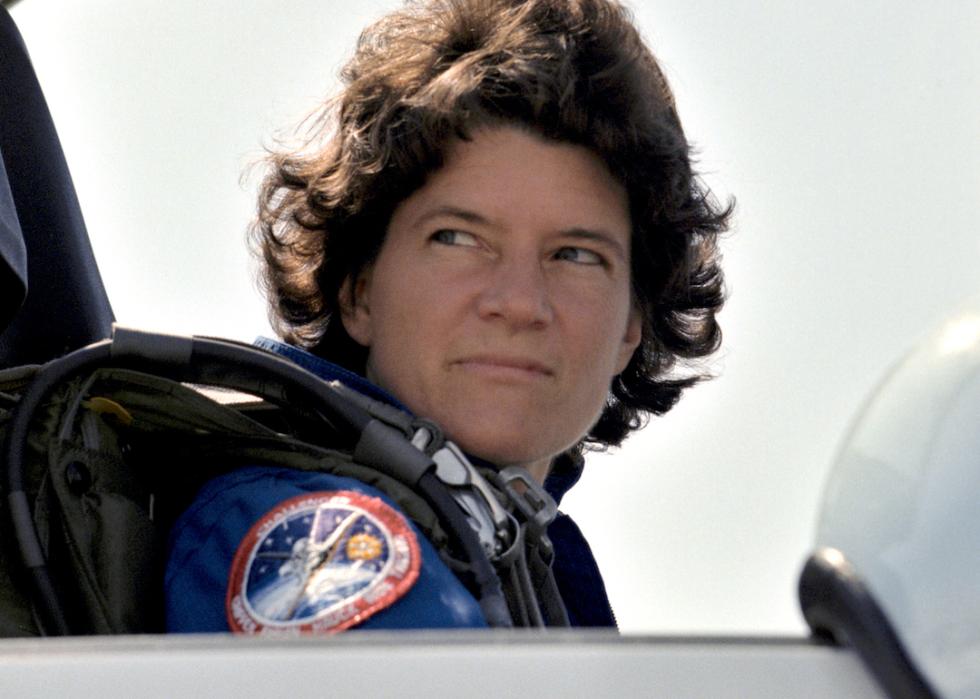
(499, 305)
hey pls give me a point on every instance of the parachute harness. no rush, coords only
(496, 520)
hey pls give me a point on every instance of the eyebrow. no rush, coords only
(453, 211)
(598, 236)
(576, 232)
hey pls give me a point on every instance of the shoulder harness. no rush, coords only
(105, 446)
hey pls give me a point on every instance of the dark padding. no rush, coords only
(44, 246)
(841, 610)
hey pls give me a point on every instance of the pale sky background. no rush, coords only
(848, 132)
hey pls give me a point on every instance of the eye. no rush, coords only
(579, 256)
(448, 236)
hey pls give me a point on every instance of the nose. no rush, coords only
(516, 292)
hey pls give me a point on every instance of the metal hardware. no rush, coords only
(494, 526)
(536, 507)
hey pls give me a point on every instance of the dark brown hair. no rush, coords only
(575, 71)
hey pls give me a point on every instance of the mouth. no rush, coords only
(504, 367)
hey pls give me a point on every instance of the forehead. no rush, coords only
(508, 174)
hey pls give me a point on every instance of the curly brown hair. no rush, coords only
(574, 71)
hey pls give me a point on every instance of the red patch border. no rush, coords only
(380, 595)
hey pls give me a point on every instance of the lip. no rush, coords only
(504, 366)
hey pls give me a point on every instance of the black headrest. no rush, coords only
(52, 299)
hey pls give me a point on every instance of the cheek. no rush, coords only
(600, 322)
(394, 365)
(406, 331)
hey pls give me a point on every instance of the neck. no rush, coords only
(539, 469)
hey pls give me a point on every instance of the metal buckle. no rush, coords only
(536, 507)
(494, 526)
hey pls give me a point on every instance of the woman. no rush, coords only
(497, 227)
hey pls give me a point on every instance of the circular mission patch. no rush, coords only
(320, 563)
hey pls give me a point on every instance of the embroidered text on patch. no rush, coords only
(321, 562)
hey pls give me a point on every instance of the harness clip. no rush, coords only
(536, 507)
(494, 526)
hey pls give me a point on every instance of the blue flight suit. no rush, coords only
(231, 566)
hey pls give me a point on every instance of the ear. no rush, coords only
(631, 339)
(355, 307)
